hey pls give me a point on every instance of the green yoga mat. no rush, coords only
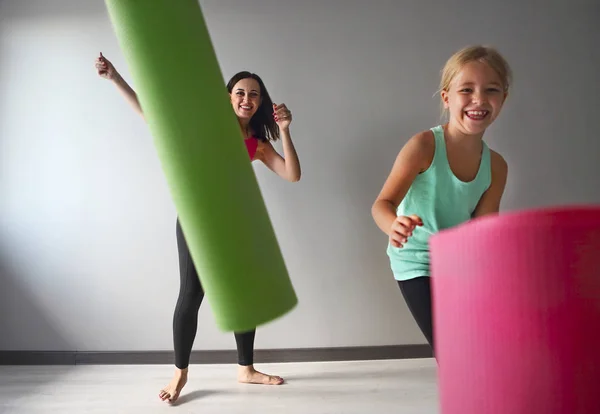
(181, 89)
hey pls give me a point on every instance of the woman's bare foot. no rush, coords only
(171, 392)
(248, 375)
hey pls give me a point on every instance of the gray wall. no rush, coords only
(87, 253)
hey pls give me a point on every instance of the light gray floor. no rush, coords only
(404, 386)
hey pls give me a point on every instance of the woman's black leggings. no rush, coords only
(417, 294)
(185, 318)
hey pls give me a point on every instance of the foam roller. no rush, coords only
(517, 313)
(181, 89)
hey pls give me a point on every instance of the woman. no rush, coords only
(261, 121)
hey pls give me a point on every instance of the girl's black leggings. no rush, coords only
(417, 294)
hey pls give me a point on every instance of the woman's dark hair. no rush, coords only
(262, 122)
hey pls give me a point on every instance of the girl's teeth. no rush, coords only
(477, 114)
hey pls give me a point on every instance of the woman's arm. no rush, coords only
(128, 93)
(288, 166)
(106, 70)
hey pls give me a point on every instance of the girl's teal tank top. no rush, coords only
(442, 201)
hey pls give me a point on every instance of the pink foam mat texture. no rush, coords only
(516, 302)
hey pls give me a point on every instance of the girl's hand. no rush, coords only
(402, 229)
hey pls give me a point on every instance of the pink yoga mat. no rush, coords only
(517, 313)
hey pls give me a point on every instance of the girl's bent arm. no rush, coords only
(414, 157)
(490, 200)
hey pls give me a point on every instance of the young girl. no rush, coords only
(261, 121)
(446, 175)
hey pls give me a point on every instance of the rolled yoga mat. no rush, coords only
(181, 89)
(517, 313)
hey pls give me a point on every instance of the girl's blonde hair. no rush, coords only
(478, 53)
